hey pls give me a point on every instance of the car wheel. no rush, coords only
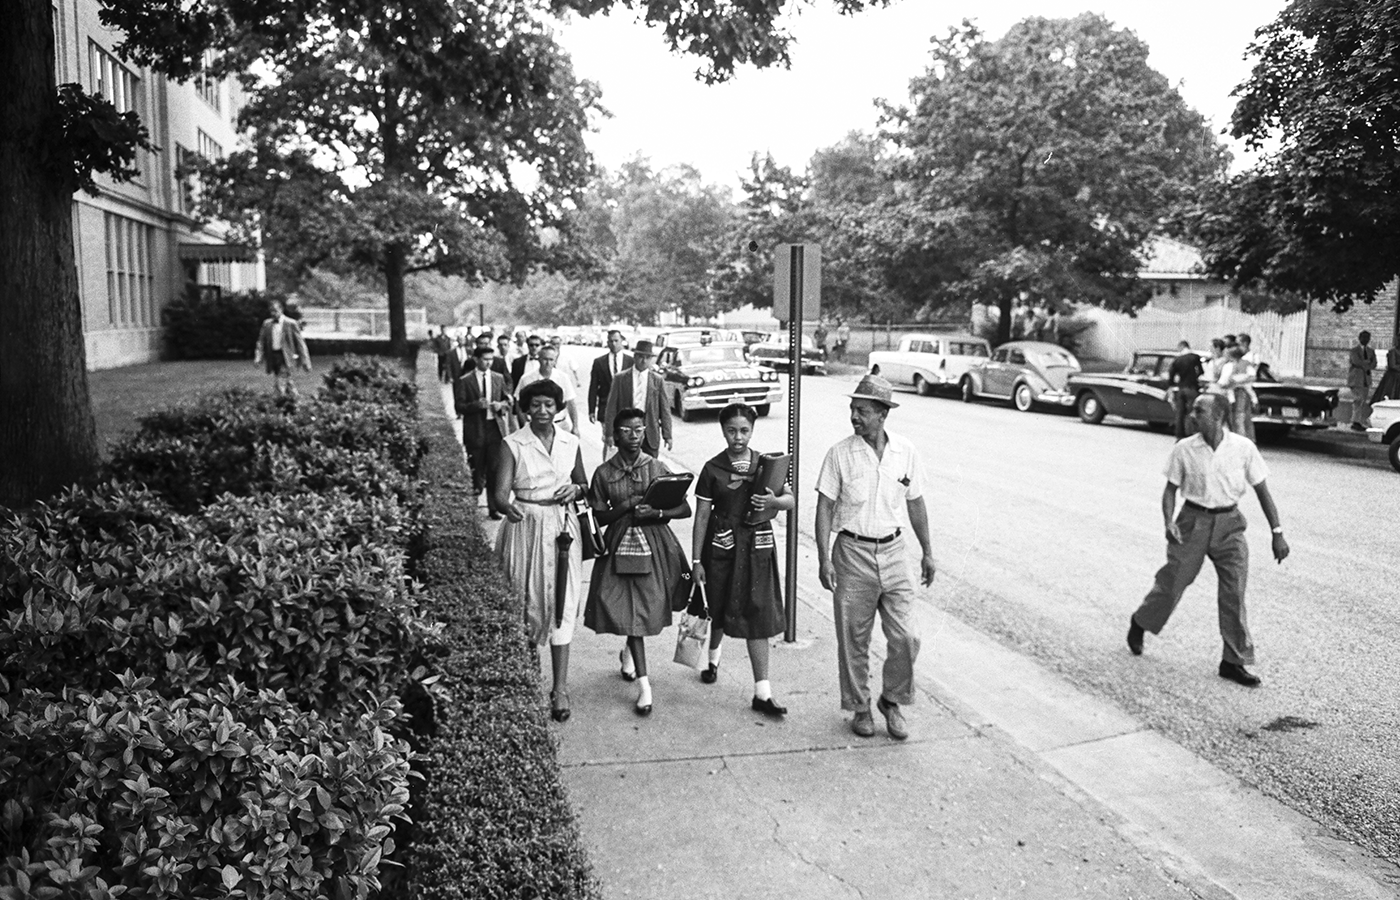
(684, 414)
(965, 388)
(1090, 408)
(761, 409)
(922, 387)
(1023, 398)
(1395, 454)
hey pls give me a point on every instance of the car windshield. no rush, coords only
(702, 356)
(1144, 365)
(1054, 359)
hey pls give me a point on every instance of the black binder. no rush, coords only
(668, 491)
(772, 475)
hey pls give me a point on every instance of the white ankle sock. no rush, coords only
(763, 690)
(714, 654)
(627, 665)
(643, 691)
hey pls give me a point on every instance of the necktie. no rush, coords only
(614, 365)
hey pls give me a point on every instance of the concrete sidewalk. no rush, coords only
(1013, 784)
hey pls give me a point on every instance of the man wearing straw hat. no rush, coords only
(867, 481)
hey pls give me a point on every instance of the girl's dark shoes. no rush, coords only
(559, 706)
(711, 674)
(623, 659)
(769, 708)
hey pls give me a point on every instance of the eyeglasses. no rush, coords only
(640, 429)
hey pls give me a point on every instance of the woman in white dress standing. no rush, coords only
(543, 468)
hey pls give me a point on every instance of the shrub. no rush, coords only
(278, 594)
(222, 793)
(214, 328)
(242, 442)
(490, 818)
(370, 378)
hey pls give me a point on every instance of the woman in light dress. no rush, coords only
(1234, 382)
(543, 469)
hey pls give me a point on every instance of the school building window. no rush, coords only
(210, 89)
(185, 178)
(113, 81)
(131, 301)
(207, 146)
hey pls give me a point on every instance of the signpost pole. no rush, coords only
(795, 286)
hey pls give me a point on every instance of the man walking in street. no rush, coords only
(600, 379)
(868, 482)
(640, 388)
(481, 399)
(281, 347)
(1184, 376)
(529, 362)
(1212, 469)
(442, 346)
(567, 416)
(1360, 365)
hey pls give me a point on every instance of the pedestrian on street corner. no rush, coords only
(843, 339)
(1360, 363)
(281, 349)
(641, 387)
(866, 480)
(1184, 377)
(736, 561)
(1211, 470)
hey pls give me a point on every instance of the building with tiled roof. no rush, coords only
(1176, 273)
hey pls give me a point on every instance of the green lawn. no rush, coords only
(121, 395)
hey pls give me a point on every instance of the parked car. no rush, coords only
(773, 352)
(1385, 428)
(691, 335)
(1140, 392)
(713, 375)
(1023, 372)
(930, 362)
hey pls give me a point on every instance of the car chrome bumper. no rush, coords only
(1375, 435)
(719, 396)
(1296, 421)
(1060, 398)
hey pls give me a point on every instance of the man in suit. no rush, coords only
(281, 347)
(459, 361)
(1361, 363)
(644, 389)
(530, 362)
(502, 361)
(481, 399)
(1185, 376)
(605, 369)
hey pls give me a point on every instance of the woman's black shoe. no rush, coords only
(769, 708)
(556, 712)
(624, 660)
(710, 675)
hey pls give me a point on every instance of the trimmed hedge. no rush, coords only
(215, 328)
(491, 819)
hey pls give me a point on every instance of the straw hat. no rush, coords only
(873, 387)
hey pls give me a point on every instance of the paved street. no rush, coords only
(1048, 534)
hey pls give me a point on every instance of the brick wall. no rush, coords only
(1332, 335)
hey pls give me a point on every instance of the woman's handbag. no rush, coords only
(693, 636)
(633, 554)
(590, 538)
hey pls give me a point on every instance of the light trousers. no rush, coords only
(871, 579)
(1220, 538)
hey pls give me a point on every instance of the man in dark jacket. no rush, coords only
(281, 347)
(530, 362)
(481, 399)
(605, 369)
(1185, 376)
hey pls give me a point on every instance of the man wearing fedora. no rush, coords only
(640, 387)
(869, 483)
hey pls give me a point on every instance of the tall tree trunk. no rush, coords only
(1004, 320)
(394, 262)
(47, 434)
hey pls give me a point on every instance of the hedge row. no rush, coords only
(492, 819)
(202, 693)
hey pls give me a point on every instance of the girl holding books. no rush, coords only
(630, 592)
(738, 562)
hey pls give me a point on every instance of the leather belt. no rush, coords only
(871, 540)
(1214, 511)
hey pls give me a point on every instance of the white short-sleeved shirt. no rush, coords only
(871, 493)
(566, 385)
(538, 472)
(1219, 477)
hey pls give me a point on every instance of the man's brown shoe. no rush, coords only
(863, 724)
(894, 719)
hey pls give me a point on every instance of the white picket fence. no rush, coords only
(1279, 339)
(324, 322)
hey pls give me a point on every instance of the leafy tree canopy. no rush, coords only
(1041, 162)
(1320, 214)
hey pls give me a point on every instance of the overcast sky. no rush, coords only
(840, 64)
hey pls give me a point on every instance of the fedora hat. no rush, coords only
(643, 348)
(873, 387)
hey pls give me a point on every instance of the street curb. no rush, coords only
(1347, 449)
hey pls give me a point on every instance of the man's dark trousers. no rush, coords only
(483, 462)
(1182, 404)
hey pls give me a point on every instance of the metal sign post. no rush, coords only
(796, 287)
